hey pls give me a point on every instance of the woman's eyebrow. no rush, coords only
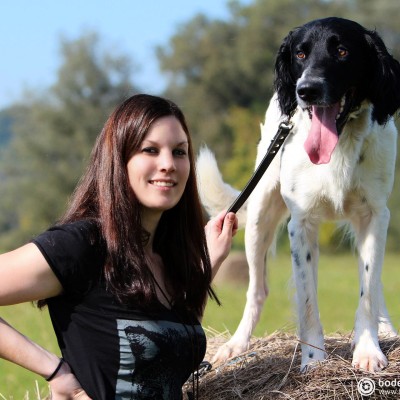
(154, 142)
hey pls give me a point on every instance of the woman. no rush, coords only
(127, 271)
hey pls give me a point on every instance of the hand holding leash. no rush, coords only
(219, 233)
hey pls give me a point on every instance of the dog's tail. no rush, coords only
(215, 194)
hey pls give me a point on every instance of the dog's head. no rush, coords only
(329, 67)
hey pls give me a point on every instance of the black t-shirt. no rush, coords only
(115, 352)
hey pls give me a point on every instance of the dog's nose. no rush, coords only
(310, 91)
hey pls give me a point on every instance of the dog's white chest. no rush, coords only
(359, 173)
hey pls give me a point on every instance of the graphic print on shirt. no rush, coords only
(148, 349)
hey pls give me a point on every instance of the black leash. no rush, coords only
(283, 131)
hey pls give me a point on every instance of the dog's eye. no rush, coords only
(301, 55)
(342, 52)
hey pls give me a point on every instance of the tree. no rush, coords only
(5, 128)
(53, 134)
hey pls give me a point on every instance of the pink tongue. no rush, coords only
(323, 135)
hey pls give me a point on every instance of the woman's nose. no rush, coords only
(167, 162)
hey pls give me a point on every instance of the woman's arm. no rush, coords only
(219, 233)
(20, 350)
(26, 276)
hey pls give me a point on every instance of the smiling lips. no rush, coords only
(163, 184)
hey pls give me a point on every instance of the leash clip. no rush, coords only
(288, 124)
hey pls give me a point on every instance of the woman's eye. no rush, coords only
(179, 152)
(149, 150)
(342, 52)
(301, 55)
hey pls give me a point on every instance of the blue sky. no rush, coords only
(30, 31)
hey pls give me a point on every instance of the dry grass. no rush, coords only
(271, 370)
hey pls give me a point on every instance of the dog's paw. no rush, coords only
(304, 368)
(369, 358)
(311, 359)
(227, 351)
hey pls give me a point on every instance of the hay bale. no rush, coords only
(270, 369)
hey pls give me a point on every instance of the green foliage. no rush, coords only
(52, 137)
(5, 128)
(246, 125)
(381, 16)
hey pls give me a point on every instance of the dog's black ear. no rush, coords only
(284, 84)
(385, 84)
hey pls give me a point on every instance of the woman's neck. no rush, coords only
(150, 222)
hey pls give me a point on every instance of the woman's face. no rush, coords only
(159, 170)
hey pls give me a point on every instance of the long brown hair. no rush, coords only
(104, 195)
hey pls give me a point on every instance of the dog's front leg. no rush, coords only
(385, 327)
(371, 246)
(305, 254)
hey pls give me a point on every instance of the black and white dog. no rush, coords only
(340, 86)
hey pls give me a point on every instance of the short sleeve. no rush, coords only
(75, 254)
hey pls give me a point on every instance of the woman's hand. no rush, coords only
(219, 233)
(64, 386)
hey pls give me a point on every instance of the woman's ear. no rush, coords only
(284, 84)
(384, 90)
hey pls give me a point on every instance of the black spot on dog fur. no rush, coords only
(296, 258)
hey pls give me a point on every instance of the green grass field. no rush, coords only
(338, 296)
